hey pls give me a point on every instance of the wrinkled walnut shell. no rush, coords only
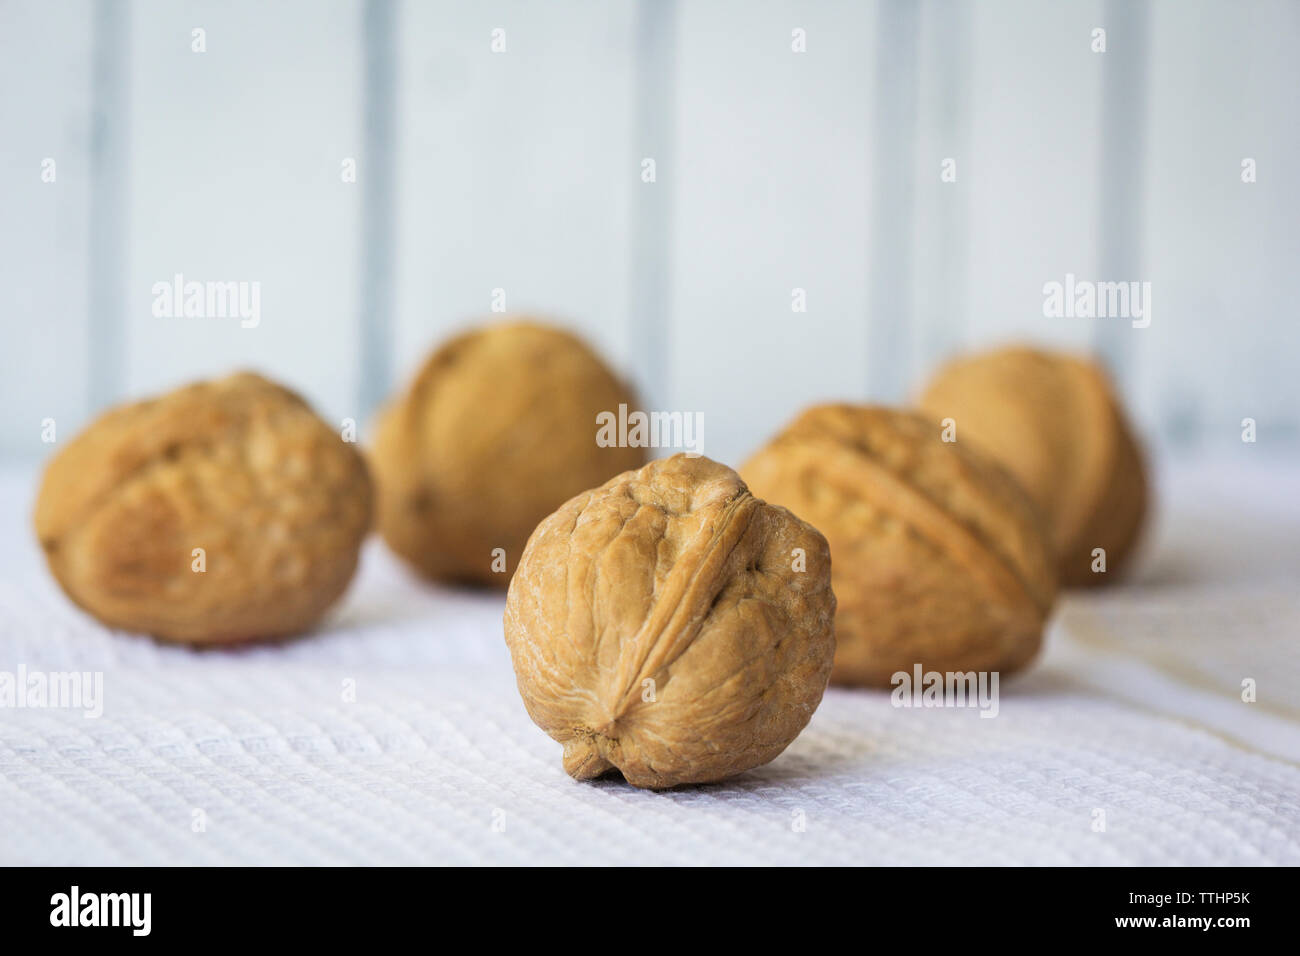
(676, 575)
(497, 431)
(240, 468)
(1054, 422)
(939, 558)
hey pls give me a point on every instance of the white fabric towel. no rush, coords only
(1127, 743)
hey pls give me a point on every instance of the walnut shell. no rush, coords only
(674, 574)
(496, 432)
(239, 467)
(1054, 422)
(939, 557)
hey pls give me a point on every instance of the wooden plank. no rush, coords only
(1221, 254)
(515, 170)
(237, 175)
(1032, 170)
(771, 175)
(46, 64)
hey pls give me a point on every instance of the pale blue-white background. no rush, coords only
(776, 170)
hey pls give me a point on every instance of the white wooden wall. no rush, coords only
(776, 171)
(46, 69)
(1225, 256)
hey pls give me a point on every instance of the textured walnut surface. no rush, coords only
(939, 559)
(240, 468)
(1054, 422)
(497, 430)
(676, 575)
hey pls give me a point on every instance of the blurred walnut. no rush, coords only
(939, 559)
(670, 625)
(221, 512)
(1053, 421)
(497, 430)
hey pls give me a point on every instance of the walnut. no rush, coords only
(496, 432)
(1054, 422)
(939, 558)
(221, 512)
(671, 626)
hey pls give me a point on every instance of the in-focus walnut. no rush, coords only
(939, 557)
(671, 626)
(221, 512)
(1054, 422)
(496, 432)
